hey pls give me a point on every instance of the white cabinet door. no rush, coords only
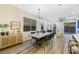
(13, 39)
(18, 38)
(4, 41)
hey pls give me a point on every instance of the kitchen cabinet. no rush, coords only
(18, 38)
(9, 40)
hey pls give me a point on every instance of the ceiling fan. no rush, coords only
(62, 19)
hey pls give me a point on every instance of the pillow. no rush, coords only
(73, 43)
(74, 49)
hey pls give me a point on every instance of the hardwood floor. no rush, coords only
(56, 47)
(67, 37)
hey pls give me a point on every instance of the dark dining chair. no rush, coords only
(32, 32)
(51, 36)
(41, 43)
(37, 31)
(46, 42)
(33, 39)
(42, 31)
(49, 30)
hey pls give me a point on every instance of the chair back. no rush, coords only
(32, 32)
(37, 31)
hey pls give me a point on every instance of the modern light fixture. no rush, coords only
(39, 12)
(62, 19)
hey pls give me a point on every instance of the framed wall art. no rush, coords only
(15, 25)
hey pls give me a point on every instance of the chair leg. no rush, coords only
(31, 41)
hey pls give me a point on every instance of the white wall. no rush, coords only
(9, 13)
(46, 24)
(59, 26)
(38, 24)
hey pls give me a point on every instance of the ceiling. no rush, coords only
(51, 11)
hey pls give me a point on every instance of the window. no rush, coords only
(29, 24)
(70, 27)
(78, 24)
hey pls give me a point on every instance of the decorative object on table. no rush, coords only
(7, 33)
(3, 26)
(15, 25)
(2, 33)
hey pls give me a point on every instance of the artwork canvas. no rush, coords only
(15, 25)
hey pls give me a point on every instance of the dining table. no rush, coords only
(38, 36)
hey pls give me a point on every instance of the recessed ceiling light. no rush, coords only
(73, 12)
(60, 4)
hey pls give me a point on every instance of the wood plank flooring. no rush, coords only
(56, 47)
